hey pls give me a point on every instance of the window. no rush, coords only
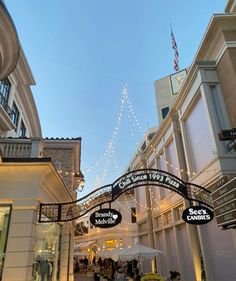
(199, 137)
(110, 244)
(164, 111)
(168, 217)
(22, 130)
(178, 212)
(133, 215)
(5, 86)
(15, 114)
(158, 221)
(171, 154)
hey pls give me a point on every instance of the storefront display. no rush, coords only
(46, 262)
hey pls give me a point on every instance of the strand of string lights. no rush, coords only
(112, 142)
(113, 137)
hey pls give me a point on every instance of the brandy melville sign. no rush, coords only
(197, 215)
(105, 218)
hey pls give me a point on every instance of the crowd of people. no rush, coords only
(109, 270)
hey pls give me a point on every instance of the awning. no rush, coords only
(84, 244)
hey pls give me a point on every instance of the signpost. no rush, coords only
(224, 202)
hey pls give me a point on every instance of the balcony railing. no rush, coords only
(21, 148)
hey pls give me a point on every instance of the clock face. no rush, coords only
(177, 80)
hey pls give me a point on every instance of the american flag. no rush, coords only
(176, 57)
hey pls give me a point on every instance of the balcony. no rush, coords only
(21, 148)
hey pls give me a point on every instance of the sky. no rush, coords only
(82, 52)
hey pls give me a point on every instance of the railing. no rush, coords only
(21, 148)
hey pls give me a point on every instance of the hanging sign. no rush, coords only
(105, 218)
(197, 215)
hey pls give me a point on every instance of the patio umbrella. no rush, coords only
(139, 252)
(113, 254)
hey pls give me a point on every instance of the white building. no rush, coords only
(187, 145)
(123, 235)
(28, 249)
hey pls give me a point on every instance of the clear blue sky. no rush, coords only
(82, 51)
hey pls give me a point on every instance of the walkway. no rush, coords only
(84, 276)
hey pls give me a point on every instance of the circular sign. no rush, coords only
(105, 218)
(197, 215)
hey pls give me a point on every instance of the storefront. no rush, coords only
(47, 252)
(29, 250)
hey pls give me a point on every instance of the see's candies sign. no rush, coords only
(197, 215)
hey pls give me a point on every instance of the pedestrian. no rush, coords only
(175, 276)
(97, 272)
(120, 274)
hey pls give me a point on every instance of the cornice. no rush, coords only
(9, 43)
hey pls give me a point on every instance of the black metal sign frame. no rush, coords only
(61, 212)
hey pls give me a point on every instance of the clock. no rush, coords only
(177, 80)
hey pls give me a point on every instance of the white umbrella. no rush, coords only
(139, 252)
(113, 254)
(78, 254)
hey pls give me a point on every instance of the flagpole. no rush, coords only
(176, 54)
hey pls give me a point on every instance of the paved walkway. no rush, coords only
(84, 276)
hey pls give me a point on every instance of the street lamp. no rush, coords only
(79, 181)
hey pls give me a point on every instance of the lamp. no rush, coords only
(79, 181)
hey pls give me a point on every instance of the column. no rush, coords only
(21, 241)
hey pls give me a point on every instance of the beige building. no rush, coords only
(166, 92)
(187, 145)
(32, 170)
(91, 241)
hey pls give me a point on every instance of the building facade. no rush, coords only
(186, 144)
(32, 170)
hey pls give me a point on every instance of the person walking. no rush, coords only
(97, 272)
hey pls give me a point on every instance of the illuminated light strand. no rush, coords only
(133, 131)
(131, 108)
(115, 132)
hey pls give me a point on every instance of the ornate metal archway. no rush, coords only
(61, 212)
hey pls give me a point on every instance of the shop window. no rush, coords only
(5, 212)
(46, 261)
(110, 244)
(121, 243)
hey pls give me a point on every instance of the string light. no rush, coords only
(109, 153)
